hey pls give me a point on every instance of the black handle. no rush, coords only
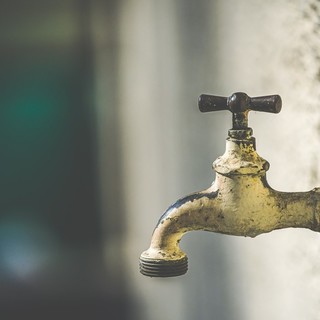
(240, 104)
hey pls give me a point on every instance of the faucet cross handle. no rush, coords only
(240, 104)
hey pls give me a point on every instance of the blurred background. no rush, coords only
(100, 133)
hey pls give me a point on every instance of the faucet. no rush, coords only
(240, 201)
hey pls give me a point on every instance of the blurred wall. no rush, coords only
(52, 260)
(100, 133)
(170, 53)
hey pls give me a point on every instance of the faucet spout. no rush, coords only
(240, 202)
(164, 258)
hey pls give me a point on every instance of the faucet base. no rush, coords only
(163, 268)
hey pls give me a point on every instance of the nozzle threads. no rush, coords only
(163, 268)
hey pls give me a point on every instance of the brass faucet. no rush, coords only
(239, 202)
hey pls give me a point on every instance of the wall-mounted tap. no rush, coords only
(239, 202)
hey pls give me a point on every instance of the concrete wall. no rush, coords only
(170, 52)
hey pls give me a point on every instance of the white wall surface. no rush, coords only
(170, 52)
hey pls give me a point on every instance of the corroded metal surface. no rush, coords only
(240, 201)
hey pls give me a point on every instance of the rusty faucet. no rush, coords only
(239, 202)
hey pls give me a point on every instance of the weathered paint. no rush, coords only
(240, 202)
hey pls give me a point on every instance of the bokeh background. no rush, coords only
(100, 132)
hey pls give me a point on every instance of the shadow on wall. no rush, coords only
(52, 261)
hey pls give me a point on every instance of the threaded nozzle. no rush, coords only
(163, 268)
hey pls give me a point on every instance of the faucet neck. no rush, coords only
(240, 157)
(242, 136)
